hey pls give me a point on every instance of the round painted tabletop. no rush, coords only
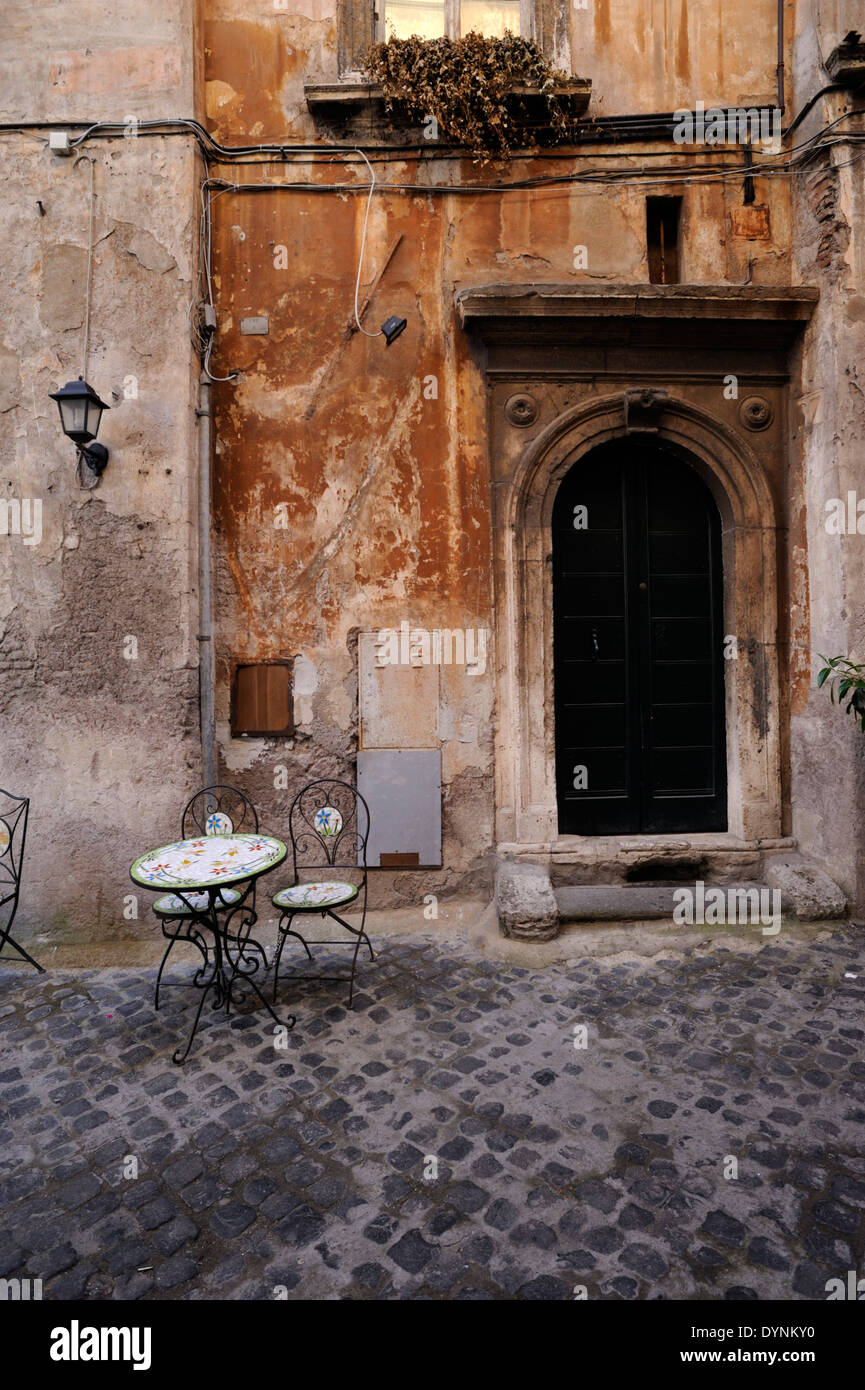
(208, 861)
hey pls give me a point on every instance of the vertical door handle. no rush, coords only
(596, 651)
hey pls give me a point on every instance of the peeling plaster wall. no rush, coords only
(827, 749)
(384, 492)
(376, 459)
(662, 55)
(105, 747)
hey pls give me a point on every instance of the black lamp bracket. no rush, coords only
(92, 459)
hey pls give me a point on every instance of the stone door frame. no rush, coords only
(526, 806)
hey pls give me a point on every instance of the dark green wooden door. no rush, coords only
(638, 646)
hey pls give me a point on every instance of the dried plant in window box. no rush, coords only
(477, 89)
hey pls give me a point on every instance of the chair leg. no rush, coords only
(4, 937)
(353, 970)
(283, 937)
(302, 941)
(279, 950)
(361, 936)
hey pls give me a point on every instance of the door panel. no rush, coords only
(638, 646)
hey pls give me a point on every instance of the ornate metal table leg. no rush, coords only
(245, 965)
(226, 969)
(211, 926)
(205, 990)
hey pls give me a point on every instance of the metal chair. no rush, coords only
(13, 832)
(216, 810)
(329, 827)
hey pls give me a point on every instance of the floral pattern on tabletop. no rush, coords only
(208, 861)
(327, 821)
(315, 895)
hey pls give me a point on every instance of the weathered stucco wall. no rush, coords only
(374, 459)
(642, 56)
(827, 748)
(353, 483)
(98, 620)
(660, 55)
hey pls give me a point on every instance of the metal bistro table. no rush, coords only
(195, 871)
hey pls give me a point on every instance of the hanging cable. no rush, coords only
(87, 159)
(362, 248)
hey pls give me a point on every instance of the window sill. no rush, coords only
(343, 100)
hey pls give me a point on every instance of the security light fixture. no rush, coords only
(392, 327)
(80, 413)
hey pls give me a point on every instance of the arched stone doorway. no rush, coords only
(526, 795)
(638, 644)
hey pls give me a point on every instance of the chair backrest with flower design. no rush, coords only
(219, 810)
(328, 825)
(13, 832)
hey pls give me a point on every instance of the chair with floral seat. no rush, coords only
(328, 826)
(216, 810)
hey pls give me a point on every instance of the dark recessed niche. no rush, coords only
(662, 239)
(668, 871)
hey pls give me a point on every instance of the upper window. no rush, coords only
(362, 22)
(435, 19)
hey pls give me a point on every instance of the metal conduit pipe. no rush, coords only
(780, 69)
(206, 664)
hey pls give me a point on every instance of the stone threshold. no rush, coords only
(537, 889)
(591, 847)
(630, 902)
(627, 859)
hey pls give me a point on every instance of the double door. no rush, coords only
(638, 646)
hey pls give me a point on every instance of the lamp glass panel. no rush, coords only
(492, 18)
(94, 415)
(74, 415)
(426, 18)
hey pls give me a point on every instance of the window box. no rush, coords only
(336, 104)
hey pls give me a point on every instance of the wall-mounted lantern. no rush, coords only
(80, 413)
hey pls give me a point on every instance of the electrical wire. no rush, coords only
(596, 129)
(785, 163)
(362, 249)
(204, 341)
(86, 158)
(213, 188)
(640, 178)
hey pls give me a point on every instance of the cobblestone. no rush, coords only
(307, 1168)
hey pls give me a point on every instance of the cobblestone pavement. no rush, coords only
(306, 1169)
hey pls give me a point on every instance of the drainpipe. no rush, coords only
(781, 55)
(206, 679)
